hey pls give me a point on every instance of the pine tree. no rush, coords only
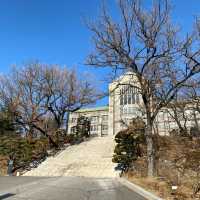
(127, 149)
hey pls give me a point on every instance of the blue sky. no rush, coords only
(52, 31)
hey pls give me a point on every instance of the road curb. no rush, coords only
(138, 189)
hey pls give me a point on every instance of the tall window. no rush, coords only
(121, 99)
(125, 99)
(137, 98)
(133, 98)
(129, 95)
(129, 99)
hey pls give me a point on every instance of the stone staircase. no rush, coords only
(92, 158)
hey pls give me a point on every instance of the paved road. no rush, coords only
(64, 188)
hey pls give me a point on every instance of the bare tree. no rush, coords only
(66, 93)
(193, 96)
(37, 93)
(178, 110)
(145, 42)
(22, 92)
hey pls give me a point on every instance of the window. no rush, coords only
(125, 99)
(104, 127)
(133, 98)
(94, 119)
(121, 99)
(104, 117)
(129, 99)
(93, 128)
(137, 98)
(129, 95)
(130, 110)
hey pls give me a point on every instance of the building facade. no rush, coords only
(98, 120)
(125, 103)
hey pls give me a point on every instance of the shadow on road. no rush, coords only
(5, 196)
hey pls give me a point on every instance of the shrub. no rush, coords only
(58, 136)
(83, 126)
(194, 131)
(179, 133)
(73, 139)
(128, 147)
(23, 151)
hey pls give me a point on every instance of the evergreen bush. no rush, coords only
(128, 147)
(23, 151)
(83, 127)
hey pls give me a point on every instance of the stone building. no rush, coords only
(125, 103)
(98, 120)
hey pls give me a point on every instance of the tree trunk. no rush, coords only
(51, 141)
(151, 170)
(196, 121)
(67, 122)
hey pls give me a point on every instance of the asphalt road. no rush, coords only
(64, 188)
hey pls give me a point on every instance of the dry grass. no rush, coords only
(177, 164)
(3, 165)
(162, 188)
